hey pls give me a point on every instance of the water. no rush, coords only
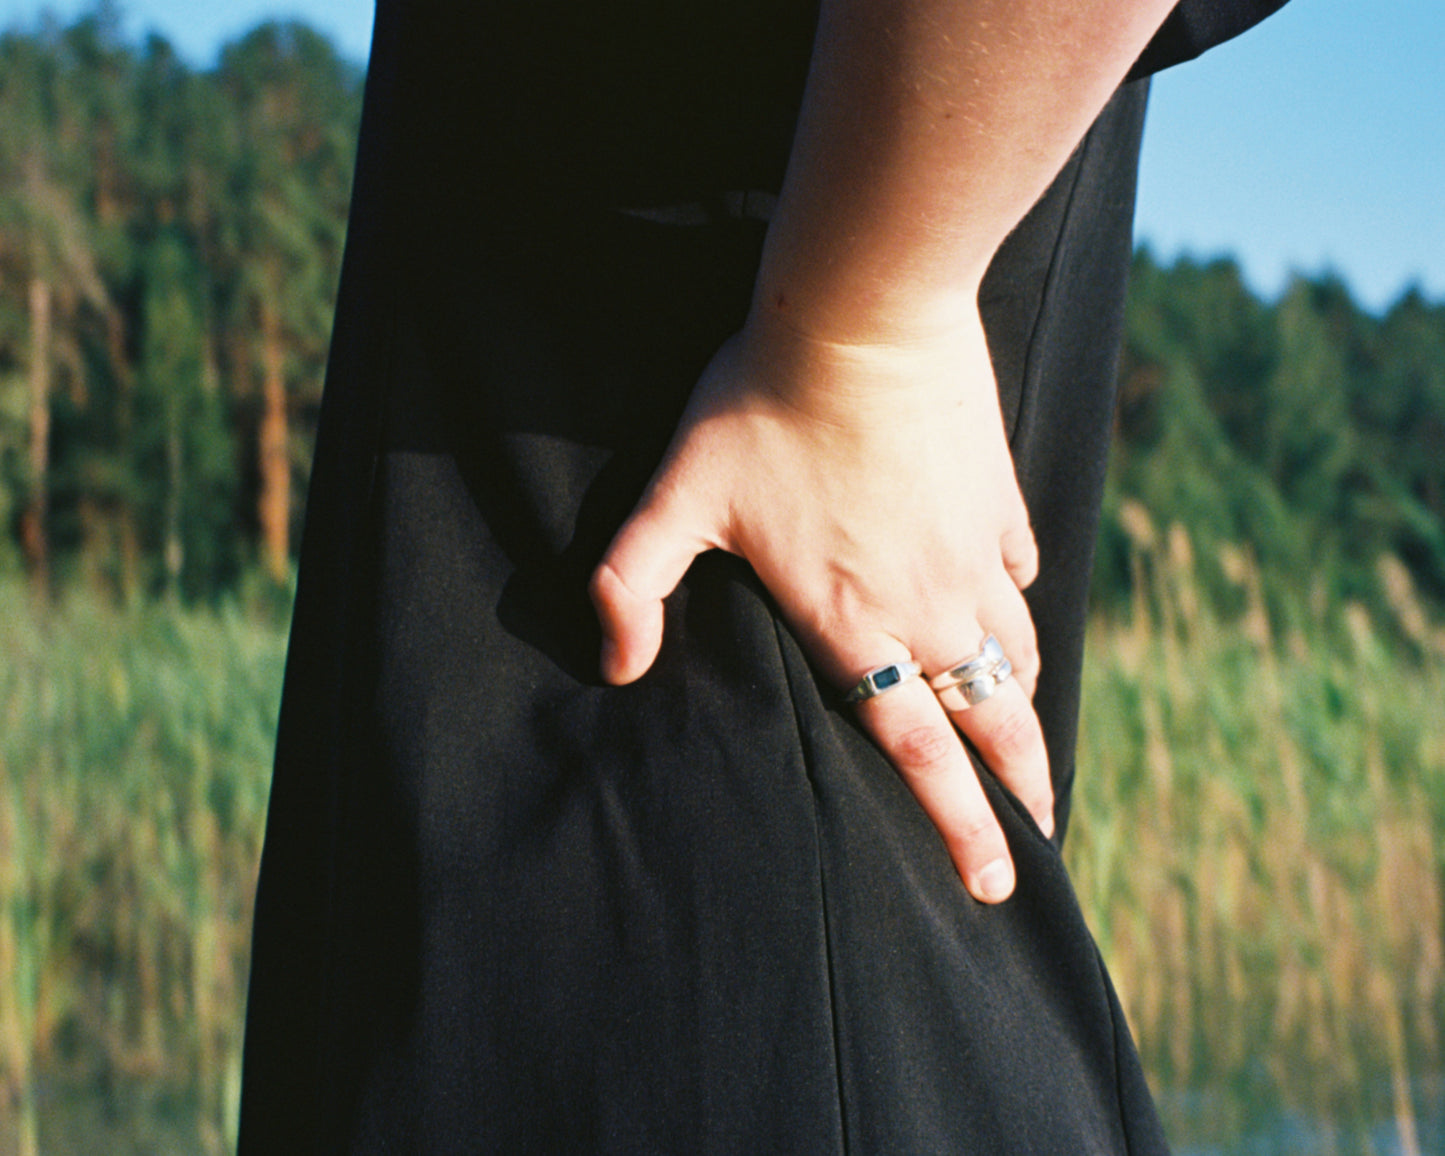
(1226, 1122)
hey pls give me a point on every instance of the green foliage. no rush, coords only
(182, 435)
(1305, 429)
(134, 764)
(190, 225)
(188, 228)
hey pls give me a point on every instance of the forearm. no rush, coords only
(928, 129)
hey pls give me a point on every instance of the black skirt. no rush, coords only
(506, 908)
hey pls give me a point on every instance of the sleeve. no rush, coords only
(1197, 25)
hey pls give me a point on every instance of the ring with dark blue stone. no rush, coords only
(883, 678)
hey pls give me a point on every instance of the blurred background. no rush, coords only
(1258, 830)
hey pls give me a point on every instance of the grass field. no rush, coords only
(1258, 844)
(133, 777)
(1257, 841)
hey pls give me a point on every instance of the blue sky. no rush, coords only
(1315, 142)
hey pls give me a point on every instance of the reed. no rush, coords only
(1258, 843)
(133, 779)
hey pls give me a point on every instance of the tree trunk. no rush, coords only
(33, 529)
(175, 476)
(129, 561)
(130, 554)
(275, 501)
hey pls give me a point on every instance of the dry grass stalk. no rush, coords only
(1288, 913)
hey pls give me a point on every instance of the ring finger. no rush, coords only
(1005, 730)
(914, 731)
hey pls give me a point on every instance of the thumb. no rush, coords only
(642, 566)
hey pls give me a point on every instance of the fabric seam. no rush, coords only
(1114, 1012)
(1028, 385)
(803, 751)
(379, 400)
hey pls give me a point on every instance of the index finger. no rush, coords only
(920, 741)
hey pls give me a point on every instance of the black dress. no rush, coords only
(505, 908)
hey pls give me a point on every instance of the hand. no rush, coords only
(871, 489)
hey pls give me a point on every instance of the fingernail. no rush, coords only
(995, 882)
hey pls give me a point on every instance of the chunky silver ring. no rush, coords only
(989, 655)
(981, 687)
(883, 678)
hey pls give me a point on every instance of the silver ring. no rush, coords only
(989, 655)
(881, 679)
(974, 680)
(978, 689)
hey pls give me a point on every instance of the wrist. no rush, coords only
(878, 374)
(861, 305)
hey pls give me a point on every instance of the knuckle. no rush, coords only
(1025, 649)
(1026, 665)
(974, 829)
(610, 587)
(602, 583)
(1013, 734)
(1028, 558)
(1041, 801)
(923, 750)
(1021, 550)
(608, 573)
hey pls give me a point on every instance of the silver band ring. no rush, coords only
(982, 687)
(974, 680)
(882, 679)
(989, 655)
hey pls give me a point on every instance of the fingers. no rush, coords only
(915, 733)
(1006, 732)
(1004, 728)
(642, 566)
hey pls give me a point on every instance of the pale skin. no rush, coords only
(848, 441)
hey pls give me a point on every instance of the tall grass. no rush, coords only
(134, 752)
(1257, 841)
(1258, 845)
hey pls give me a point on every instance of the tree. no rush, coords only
(183, 435)
(47, 244)
(295, 122)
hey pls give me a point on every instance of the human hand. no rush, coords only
(872, 490)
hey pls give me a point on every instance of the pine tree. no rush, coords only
(293, 105)
(47, 243)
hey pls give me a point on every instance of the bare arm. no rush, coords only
(929, 128)
(848, 442)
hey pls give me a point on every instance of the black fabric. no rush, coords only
(639, 101)
(1195, 26)
(627, 102)
(504, 908)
